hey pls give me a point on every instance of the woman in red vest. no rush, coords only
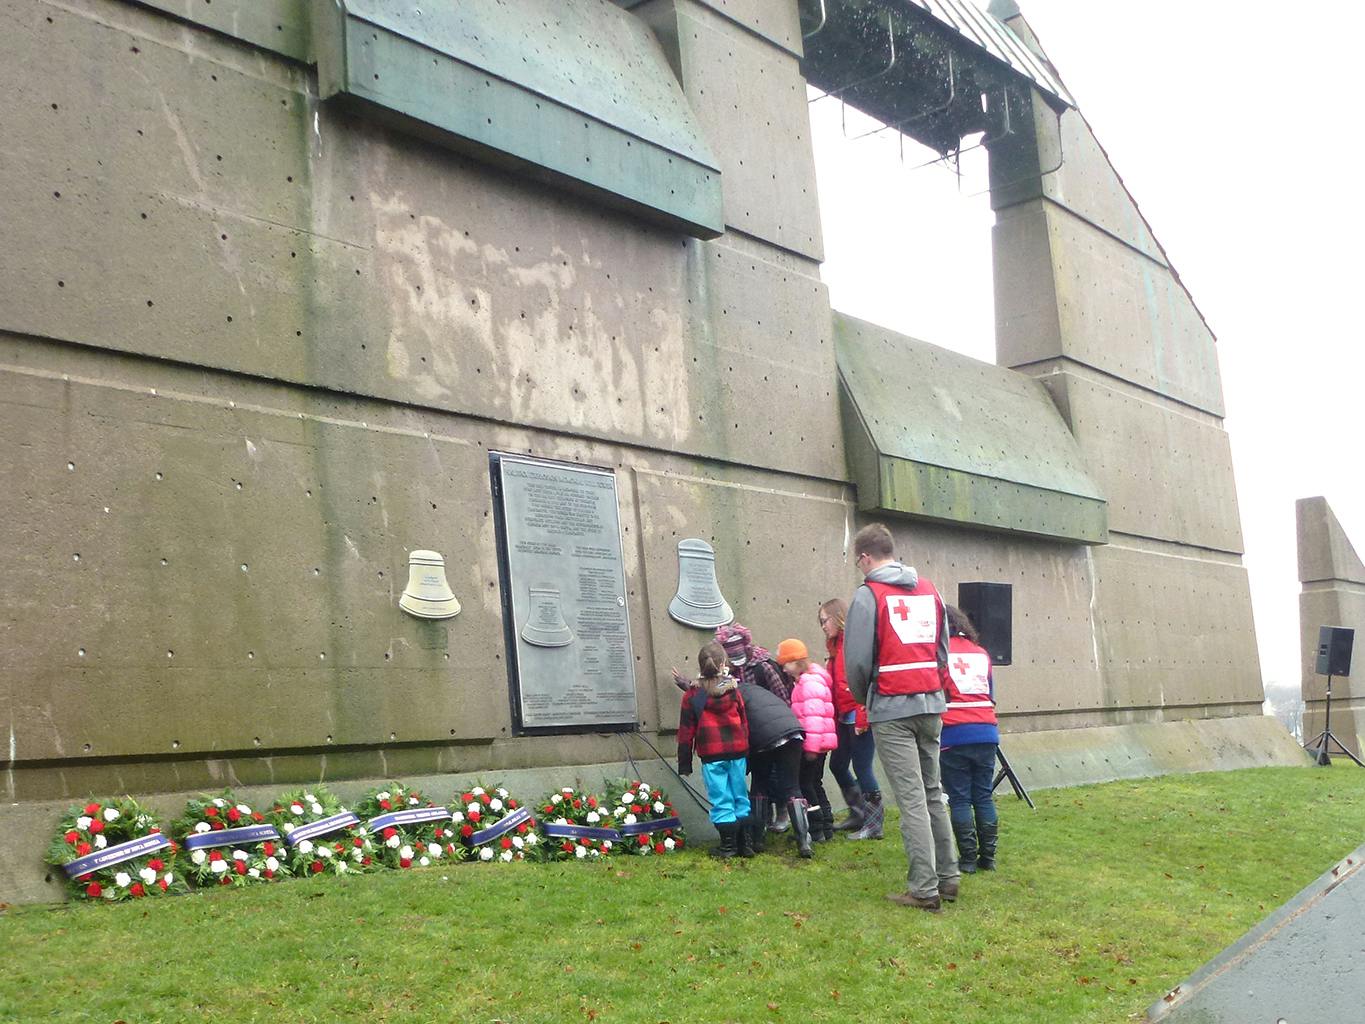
(970, 738)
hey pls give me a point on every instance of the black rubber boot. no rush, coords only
(829, 822)
(965, 834)
(796, 810)
(729, 840)
(815, 820)
(988, 834)
(857, 814)
(744, 837)
(876, 815)
(758, 819)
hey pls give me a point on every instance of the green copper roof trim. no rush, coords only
(577, 92)
(938, 435)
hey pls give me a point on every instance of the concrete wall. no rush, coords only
(1333, 579)
(254, 349)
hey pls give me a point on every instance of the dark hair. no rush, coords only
(837, 609)
(710, 660)
(874, 539)
(959, 623)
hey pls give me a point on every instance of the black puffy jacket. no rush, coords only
(771, 720)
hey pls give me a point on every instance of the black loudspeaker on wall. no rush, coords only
(991, 607)
(1334, 650)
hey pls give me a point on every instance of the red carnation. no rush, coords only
(584, 842)
(164, 885)
(636, 809)
(93, 890)
(137, 890)
(466, 831)
(467, 797)
(357, 842)
(549, 809)
(316, 866)
(521, 829)
(239, 866)
(439, 834)
(96, 827)
(92, 809)
(568, 847)
(592, 802)
(474, 815)
(211, 812)
(218, 826)
(577, 804)
(156, 864)
(406, 862)
(269, 873)
(72, 836)
(82, 849)
(225, 880)
(390, 832)
(234, 815)
(269, 848)
(257, 816)
(658, 847)
(644, 840)
(677, 844)
(512, 804)
(506, 843)
(368, 861)
(386, 805)
(215, 855)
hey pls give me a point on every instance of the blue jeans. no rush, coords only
(726, 789)
(857, 751)
(968, 771)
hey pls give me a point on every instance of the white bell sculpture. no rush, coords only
(428, 595)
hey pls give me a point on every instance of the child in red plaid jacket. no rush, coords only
(713, 720)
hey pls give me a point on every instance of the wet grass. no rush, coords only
(1106, 896)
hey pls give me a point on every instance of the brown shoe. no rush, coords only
(948, 891)
(906, 899)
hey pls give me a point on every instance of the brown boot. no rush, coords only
(905, 899)
(948, 891)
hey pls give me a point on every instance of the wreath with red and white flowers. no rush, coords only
(493, 825)
(321, 835)
(407, 829)
(574, 826)
(228, 843)
(645, 818)
(115, 850)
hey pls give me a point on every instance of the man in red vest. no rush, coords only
(896, 658)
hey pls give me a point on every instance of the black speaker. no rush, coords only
(990, 606)
(1334, 650)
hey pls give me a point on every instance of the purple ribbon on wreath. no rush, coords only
(641, 827)
(581, 832)
(412, 816)
(501, 828)
(231, 836)
(116, 854)
(321, 827)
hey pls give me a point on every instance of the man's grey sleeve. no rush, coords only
(860, 642)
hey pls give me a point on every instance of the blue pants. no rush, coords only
(857, 751)
(726, 789)
(968, 771)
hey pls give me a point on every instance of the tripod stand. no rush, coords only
(1318, 747)
(1007, 772)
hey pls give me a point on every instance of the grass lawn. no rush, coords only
(1106, 896)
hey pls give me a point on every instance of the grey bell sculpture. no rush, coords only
(545, 625)
(698, 602)
(428, 595)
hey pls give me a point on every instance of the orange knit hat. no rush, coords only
(791, 650)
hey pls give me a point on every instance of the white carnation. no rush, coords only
(502, 792)
(203, 826)
(518, 842)
(254, 872)
(495, 804)
(243, 808)
(148, 875)
(393, 842)
(580, 852)
(413, 801)
(628, 797)
(424, 862)
(457, 816)
(644, 787)
(198, 857)
(101, 842)
(506, 855)
(658, 807)
(316, 809)
(83, 822)
(310, 798)
(324, 851)
(594, 817)
(555, 798)
(305, 846)
(239, 855)
(272, 864)
(474, 806)
(405, 853)
(219, 802)
(478, 791)
(434, 849)
(630, 819)
(289, 826)
(296, 808)
(342, 867)
(561, 821)
(669, 844)
(383, 796)
(606, 844)
(168, 878)
(218, 867)
(357, 854)
(618, 812)
(111, 814)
(485, 853)
(531, 839)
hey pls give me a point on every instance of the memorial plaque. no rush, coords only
(564, 591)
(698, 602)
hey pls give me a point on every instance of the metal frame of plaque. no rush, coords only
(566, 621)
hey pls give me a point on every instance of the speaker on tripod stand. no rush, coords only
(1334, 659)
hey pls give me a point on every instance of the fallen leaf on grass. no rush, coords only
(773, 1007)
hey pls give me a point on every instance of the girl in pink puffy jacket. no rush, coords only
(813, 703)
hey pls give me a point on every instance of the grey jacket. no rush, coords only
(860, 652)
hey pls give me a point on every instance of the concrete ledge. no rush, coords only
(1075, 757)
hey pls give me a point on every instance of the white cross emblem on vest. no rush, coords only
(914, 618)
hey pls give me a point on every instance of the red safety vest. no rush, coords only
(969, 684)
(908, 625)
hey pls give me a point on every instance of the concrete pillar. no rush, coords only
(1333, 579)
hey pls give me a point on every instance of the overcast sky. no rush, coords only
(1238, 131)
